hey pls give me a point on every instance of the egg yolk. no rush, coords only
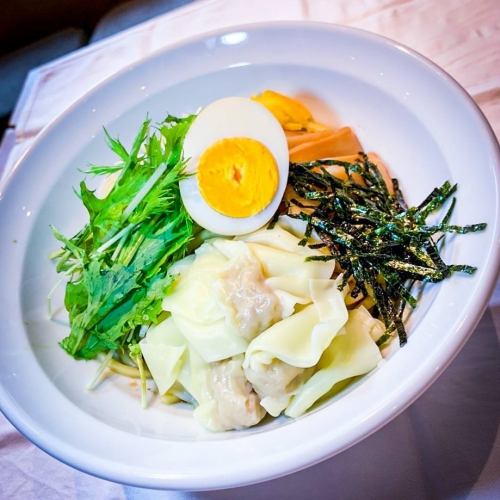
(237, 176)
(292, 114)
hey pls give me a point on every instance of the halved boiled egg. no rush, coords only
(238, 156)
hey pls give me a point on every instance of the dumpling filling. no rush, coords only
(230, 401)
(251, 304)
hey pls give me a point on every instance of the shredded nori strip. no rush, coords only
(373, 235)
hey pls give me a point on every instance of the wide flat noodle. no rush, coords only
(280, 239)
(197, 311)
(213, 341)
(280, 263)
(350, 354)
(163, 349)
(299, 340)
(284, 264)
(276, 359)
(194, 376)
(194, 287)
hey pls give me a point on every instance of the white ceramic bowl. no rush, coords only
(402, 106)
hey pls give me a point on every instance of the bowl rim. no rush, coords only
(373, 422)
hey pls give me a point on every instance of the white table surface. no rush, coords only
(447, 444)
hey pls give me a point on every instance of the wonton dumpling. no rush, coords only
(221, 299)
(297, 227)
(232, 290)
(351, 353)
(290, 231)
(193, 377)
(297, 341)
(228, 401)
(197, 311)
(160, 347)
(275, 383)
(251, 305)
(368, 323)
(301, 339)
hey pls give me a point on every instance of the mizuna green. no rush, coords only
(118, 263)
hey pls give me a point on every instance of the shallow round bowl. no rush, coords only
(425, 127)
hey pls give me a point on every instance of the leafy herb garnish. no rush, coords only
(118, 263)
(373, 235)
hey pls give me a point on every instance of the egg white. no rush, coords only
(226, 118)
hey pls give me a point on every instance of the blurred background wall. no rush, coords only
(33, 32)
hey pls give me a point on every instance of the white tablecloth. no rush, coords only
(447, 444)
